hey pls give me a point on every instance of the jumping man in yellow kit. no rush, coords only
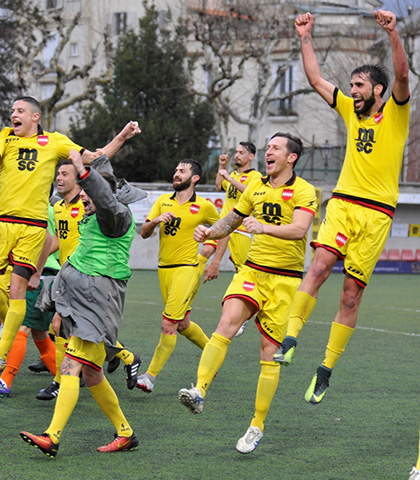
(28, 156)
(360, 212)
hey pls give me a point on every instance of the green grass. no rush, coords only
(366, 428)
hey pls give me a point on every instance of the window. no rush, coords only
(285, 106)
(120, 23)
(50, 48)
(51, 4)
(73, 50)
(47, 90)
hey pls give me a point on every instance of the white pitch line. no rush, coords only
(380, 330)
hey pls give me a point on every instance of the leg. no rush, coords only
(46, 349)
(14, 360)
(193, 332)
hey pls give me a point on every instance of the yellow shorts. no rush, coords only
(179, 286)
(86, 352)
(271, 294)
(20, 244)
(238, 247)
(355, 233)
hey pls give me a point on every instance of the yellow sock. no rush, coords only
(213, 356)
(107, 400)
(162, 353)
(64, 406)
(202, 262)
(195, 334)
(60, 351)
(12, 323)
(302, 307)
(418, 460)
(267, 386)
(339, 336)
(125, 355)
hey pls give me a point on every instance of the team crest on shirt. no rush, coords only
(243, 178)
(287, 194)
(341, 239)
(378, 117)
(248, 286)
(42, 140)
(74, 212)
(194, 208)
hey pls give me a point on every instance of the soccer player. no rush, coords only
(28, 158)
(283, 206)
(95, 274)
(177, 215)
(415, 472)
(234, 184)
(67, 215)
(360, 212)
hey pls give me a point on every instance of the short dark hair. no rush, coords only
(294, 143)
(377, 73)
(34, 103)
(110, 178)
(194, 165)
(249, 146)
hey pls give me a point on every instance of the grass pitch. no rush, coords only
(366, 428)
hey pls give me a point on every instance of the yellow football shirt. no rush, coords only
(27, 168)
(177, 245)
(275, 206)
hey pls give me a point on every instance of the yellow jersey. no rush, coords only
(374, 154)
(27, 169)
(275, 206)
(177, 245)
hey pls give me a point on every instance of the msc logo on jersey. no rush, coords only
(272, 213)
(63, 229)
(340, 239)
(42, 140)
(287, 194)
(365, 140)
(172, 227)
(28, 158)
(232, 192)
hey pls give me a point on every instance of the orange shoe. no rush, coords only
(42, 441)
(120, 444)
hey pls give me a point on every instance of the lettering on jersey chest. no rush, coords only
(26, 157)
(275, 208)
(365, 140)
(188, 218)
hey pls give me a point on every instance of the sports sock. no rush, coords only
(162, 353)
(202, 262)
(302, 307)
(12, 323)
(15, 357)
(195, 334)
(418, 460)
(266, 388)
(339, 336)
(107, 400)
(66, 401)
(60, 351)
(212, 358)
(125, 355)
(47, 352)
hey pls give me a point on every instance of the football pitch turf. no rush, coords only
(366, 428)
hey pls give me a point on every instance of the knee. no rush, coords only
(351, 296)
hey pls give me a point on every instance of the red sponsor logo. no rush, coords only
(42, 140)
(194, 208)
(248, 286)
(243, 178)
(340, 239)
(74, 212)
(378, 117)
(287, 194)
(218, 203)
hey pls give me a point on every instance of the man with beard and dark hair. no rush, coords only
(363, 203)
(177, 215)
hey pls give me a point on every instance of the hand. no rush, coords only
(304, 24)
(253, 225)
(131, 129)
(164, 217)
(77, 161)
(212, 272)
(201, 233)
(56, 324)
(34, 281)
(224, 173)
(223, 160)
(386, 20)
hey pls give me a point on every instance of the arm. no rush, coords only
(149, 227)
(33, 283)
(212, 271)
(54, 243)
(222, 173)
(238, 185)
(400, 87)
(304, 24)
(131, 129)
(293, 231)
(220, 229)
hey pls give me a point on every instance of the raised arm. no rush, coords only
(400, 87)
(304, 24)
(222, 173)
